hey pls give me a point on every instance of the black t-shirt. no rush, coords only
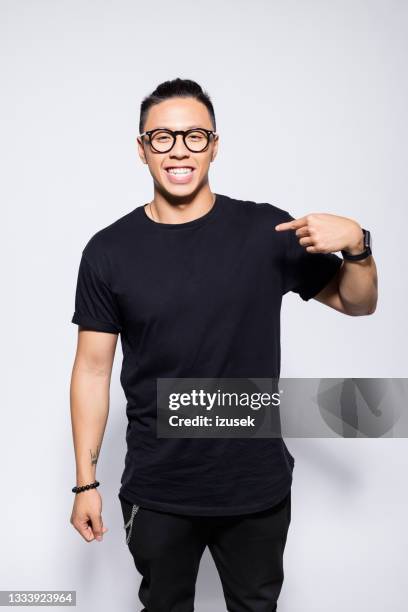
(197, 299)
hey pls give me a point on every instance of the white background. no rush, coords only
(310, 100)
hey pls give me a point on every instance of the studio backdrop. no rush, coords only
(310, 100)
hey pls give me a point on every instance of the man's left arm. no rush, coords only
(354, 288)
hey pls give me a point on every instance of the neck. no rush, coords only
(166, 208)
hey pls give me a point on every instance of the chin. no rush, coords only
(185, 192)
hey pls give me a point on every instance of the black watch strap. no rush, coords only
(367, 248)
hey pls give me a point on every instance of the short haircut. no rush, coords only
(177, 88)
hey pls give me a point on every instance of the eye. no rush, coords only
(197, 136)
(161, 137)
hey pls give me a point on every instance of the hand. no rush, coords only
(86, 515)
(326, 233)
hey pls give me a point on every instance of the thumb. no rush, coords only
(97, 526)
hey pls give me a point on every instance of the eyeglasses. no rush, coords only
(163, 140)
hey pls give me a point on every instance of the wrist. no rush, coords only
(83, 488)
(84, 479)
(357, 247)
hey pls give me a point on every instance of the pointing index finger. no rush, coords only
(294, 224)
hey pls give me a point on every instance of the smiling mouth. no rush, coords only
(179, 170)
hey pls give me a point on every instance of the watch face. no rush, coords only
(367, 238)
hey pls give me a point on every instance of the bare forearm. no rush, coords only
(358, 285)
(89, 398)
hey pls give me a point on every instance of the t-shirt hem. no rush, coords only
(94, 324)
(133, 498)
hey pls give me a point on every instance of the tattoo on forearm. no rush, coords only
(94, 455)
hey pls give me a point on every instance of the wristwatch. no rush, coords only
(367, 248)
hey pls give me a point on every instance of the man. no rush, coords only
(193, 283)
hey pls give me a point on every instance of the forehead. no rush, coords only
(178, 114)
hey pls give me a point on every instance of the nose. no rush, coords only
(179, 149)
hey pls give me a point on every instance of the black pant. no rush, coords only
(247, 551)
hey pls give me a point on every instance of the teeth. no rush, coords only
(179, 170)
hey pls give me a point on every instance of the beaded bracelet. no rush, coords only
(86, 487)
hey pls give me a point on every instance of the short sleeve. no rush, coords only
(306, 273)
(96, 306)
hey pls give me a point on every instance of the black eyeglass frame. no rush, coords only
(174, 134)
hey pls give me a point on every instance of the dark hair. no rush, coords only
(182, 88)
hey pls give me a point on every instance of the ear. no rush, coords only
(215, 147)
(141, 150)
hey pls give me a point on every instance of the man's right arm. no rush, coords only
(89, 400)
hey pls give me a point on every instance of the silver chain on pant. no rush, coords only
(135, 508)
